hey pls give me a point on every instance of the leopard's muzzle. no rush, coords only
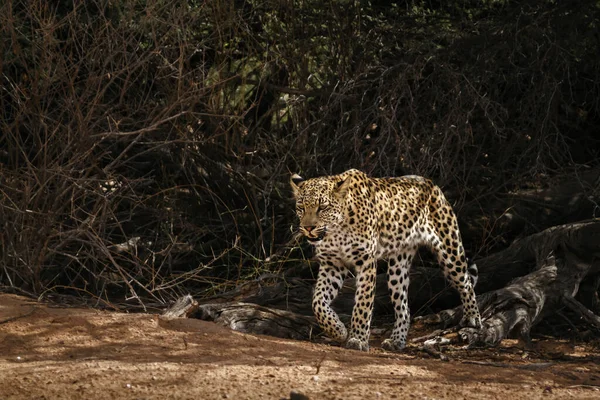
(314, 234)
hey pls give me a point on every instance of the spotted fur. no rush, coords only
(353, 221)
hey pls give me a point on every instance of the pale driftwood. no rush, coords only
(252, 318)
(184, 307)
(564, 256)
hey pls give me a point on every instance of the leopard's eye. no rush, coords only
(323, 206)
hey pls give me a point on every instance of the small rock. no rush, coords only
(298, 396)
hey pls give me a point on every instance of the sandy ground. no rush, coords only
(72, 353)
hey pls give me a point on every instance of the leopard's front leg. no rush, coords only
(358, 338)
(330, 280)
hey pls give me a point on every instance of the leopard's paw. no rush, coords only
(357, 344)
(390, 345)
(471, 322)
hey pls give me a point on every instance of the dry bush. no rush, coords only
(146, 145)
(114, 178)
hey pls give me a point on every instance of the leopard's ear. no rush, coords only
(341, 188)
(296, 181)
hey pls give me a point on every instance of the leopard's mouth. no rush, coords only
(315, 239)
(315, 236)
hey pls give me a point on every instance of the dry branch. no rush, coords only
(563, 257)
(253, 318)
(184, 307)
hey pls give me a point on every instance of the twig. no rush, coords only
(587, 386)
(7, 320)
(534, 367)
(434, 352)
(582, 310)
(438, 332)
(147, 129)
(320, 363)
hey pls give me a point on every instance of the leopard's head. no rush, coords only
(319, 204)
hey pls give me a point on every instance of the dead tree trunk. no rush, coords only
(564, 256)
(253, 318)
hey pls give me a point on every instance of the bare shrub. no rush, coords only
(146, 146)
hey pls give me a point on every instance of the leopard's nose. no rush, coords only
(309, 228)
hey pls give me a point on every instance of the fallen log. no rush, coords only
(564, 256)
(184, 307)
(253, 318)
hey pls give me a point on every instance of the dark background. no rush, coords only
(146, 146)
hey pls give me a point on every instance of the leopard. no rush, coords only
(353, 221)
